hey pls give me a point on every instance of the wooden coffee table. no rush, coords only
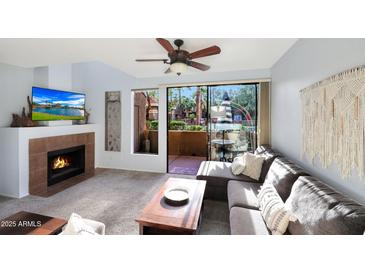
(27, 223)
(158, 217)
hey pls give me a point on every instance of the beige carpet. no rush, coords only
(114, 197)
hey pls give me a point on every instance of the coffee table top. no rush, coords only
(27, 223)
(161, 215)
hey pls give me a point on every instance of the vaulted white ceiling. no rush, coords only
(237, 53)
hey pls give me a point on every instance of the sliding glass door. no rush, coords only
(216, 122)
(187, 129)
(232, 121)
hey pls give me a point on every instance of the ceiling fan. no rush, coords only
(180, 59)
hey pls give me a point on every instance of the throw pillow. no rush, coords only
(273, 210)
(77, 226)
(238, 165)
(252, 165)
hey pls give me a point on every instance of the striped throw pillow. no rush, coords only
(273, 210)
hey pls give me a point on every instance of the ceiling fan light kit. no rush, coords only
(178, 67)
(179, 59)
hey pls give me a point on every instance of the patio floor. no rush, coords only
(188, 165)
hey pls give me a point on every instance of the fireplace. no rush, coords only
(65, 163)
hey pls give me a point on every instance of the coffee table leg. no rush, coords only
(140, 229)
(200, 220)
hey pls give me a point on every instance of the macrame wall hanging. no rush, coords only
(333, 124)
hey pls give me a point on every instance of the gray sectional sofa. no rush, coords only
(319, 208)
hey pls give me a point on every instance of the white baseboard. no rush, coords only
(10, 195)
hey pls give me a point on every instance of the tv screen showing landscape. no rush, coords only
(50, 105)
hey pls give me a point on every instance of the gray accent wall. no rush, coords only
(309, 61)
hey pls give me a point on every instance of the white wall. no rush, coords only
(309, 61)
(15, 85)
(54, 77)
(60, 77)
(95, 78)
(40, 77)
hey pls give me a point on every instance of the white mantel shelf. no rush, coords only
(14, 154)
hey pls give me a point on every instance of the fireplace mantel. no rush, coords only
(14, 154)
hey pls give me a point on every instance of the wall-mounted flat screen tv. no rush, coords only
(51, 105)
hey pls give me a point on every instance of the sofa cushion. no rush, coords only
(321, 210)
(282, 174)
(217, 173)
(245, 221)
(262, 148)
(243, 194)
(269, 155)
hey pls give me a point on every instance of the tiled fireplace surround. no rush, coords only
(38, 149)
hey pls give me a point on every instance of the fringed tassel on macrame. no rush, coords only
(333, 121)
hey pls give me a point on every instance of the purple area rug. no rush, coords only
(188, 165)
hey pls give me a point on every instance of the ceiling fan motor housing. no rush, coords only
(181, 56)
(178, 42)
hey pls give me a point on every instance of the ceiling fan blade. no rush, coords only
(166, 45)
(198, 65)
(151, 60)
(168, 70)
(205, 52)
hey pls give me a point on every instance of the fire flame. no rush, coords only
(60, 162)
